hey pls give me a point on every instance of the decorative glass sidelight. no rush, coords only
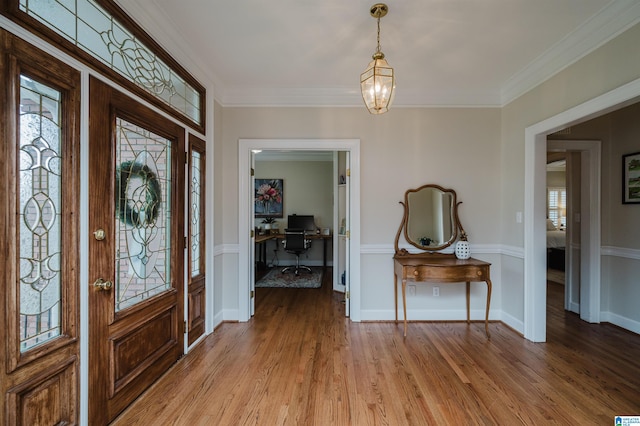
(94, 30)
(196, 187)
(40, 187)
(143, 214)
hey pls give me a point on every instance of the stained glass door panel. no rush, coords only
(40, 208)
(196, 246)
(143, 215)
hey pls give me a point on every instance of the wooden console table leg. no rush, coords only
(486, 318)
(404, 305)
(468, 307)
(395, 294)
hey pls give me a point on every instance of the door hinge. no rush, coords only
(253, 172)
(347, 295)
(185, 243)
(348, 234)
(252, 294)
(252, 233)
(184, 327)
(348, 172)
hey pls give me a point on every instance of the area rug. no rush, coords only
(304, 279)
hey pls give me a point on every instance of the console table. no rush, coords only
(439, 268)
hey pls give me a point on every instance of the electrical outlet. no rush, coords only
(436, 291)
(412, 290)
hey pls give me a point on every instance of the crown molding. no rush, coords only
(349, 97)
(611, 21)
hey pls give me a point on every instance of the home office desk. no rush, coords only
(261, 245)
(439, 268)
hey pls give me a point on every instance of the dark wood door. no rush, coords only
(39, 211)
(136, 249)
(196, 241)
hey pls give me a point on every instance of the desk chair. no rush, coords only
(296, 242)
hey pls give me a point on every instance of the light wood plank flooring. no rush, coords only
(300, 362)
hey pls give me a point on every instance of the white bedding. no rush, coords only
(555, 238)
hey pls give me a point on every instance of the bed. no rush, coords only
(556, 240)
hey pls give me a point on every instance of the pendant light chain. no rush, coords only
(378, 49)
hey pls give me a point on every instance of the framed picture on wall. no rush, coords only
(631, 178)
(269, 198)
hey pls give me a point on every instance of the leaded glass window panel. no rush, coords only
(88, 26)
(40, 188)
(196, 187)
(143, 214)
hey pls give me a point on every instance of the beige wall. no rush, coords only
(556, 179)
(307, 189)
(457, 148)
(619, 132)
(611, 66)
(408, 147)
(479, 152)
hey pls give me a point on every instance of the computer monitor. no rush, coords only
(301, 221)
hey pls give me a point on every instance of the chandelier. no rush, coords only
(378, 82)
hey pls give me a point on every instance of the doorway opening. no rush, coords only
(303, 190)
(246, 219)
(535, 206)
(581, 202)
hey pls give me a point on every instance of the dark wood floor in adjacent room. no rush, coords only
(299, 361)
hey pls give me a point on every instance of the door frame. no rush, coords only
(535, 291)
(245, 201)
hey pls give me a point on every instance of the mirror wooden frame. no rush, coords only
(457, 226)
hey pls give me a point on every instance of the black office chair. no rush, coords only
(296, 242)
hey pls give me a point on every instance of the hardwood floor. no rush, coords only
(299, 361)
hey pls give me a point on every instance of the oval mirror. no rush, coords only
(431, 220)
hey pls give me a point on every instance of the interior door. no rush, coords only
(136, 257)
(39, 228)
(347, 281)
(252, 233)
(196, 263)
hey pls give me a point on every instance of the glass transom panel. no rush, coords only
(143, 215)
(88, 26)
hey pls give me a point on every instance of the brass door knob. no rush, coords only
(102, 285)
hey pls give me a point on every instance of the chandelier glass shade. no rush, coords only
(378, 82)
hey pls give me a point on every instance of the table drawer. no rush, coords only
(436, 274)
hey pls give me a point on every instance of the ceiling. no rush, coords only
(444, 52)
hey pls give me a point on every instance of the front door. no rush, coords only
(39, 236)
(136, 249)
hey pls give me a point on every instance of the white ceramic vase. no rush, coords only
(462, 249)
